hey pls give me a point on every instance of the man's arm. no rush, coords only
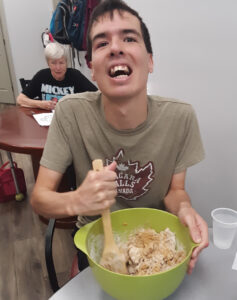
(25, 101)
(96, 193)
(178, 202)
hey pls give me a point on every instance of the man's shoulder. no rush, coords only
(79, 97)
(73, 106)
(170, 104)
(171, 108)
(171, 101)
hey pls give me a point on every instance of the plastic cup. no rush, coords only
(224, 222)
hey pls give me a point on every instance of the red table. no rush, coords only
(20, 133)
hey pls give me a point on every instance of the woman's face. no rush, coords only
(58, 67)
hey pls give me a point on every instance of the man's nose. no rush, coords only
(116, 47)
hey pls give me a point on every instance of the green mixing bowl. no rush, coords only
(126, 287)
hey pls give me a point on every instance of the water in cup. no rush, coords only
(224, 227)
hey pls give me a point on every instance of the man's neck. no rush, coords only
(125, 114)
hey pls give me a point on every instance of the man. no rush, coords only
(51, 84)
(147, 143)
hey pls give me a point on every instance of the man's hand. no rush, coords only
(96, 193)
(198, 230)
(177, 202)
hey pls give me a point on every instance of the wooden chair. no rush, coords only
(68, 223)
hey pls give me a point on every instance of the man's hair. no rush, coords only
(55, 51)
(109, 6)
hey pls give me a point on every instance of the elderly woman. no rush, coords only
(51, 84)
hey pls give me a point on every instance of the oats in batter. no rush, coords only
(149, 252)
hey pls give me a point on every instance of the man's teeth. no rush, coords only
(119, 71)
(119, 68)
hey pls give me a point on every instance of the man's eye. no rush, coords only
(129, 39)
(102, 44)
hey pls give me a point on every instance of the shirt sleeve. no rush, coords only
(57, 154)
(191, 148)
(83, 84)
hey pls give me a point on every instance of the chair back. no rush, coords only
(24, 83)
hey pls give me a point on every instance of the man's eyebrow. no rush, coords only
(98, 36)
(133, 31)
(123, 31)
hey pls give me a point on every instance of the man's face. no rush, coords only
(58, 68)
(120, 63)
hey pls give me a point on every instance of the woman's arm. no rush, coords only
(25, 101)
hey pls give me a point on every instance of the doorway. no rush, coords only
(6, 89)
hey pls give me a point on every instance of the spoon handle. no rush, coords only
(106, 219)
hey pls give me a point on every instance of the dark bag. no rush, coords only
(70, 21)
(7, 185)
(59, 21)
(76, 24)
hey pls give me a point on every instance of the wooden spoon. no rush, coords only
(112, 259)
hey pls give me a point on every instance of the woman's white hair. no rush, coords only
(55, 51)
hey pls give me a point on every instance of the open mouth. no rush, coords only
(120, 71)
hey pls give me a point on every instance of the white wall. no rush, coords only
(195, 55)
(26, 20)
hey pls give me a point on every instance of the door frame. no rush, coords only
(8, 50)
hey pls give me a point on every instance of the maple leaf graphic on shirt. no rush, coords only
(133, 180)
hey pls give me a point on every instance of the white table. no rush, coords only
(212, 279)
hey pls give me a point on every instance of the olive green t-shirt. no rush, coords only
(168, 142)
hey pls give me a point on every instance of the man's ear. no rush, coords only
(150, 63)
(92, 72)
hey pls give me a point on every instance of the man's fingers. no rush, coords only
(193, 229)
(106, 195)
(191, 265)
(111, 167)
